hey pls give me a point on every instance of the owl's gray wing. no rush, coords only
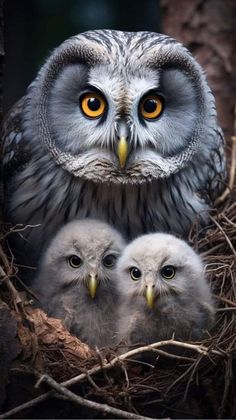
(209, 169)
(217, 169)
(15, 149)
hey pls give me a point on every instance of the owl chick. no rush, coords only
(77, 281)
(164, 291)
(117, 126)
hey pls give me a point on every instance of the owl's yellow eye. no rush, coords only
(93, 104)
(168, 272)
(151, 106)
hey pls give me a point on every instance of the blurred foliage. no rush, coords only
(34, 27)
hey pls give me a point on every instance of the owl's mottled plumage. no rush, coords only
(60, 164)
(77, 280)
(153, 307)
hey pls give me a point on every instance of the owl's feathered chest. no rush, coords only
(92, 320)
(46, 195)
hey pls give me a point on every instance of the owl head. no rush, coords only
(158, 266)
(118, 106)
(82, 256)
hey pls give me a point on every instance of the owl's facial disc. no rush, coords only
(108, 124)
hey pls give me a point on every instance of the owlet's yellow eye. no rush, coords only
(151, 106)
(93, 104)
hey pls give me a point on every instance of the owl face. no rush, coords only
(94, 108)
(83, 255)
(157, 266)
(113, 102)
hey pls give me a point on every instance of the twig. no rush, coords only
(226, 309)
(18, 229)
(197, 348)
(226, 237)
(225, 300)
(210, 251)
(15, 295)
(191, 376)
(226, 192)
(172, 356)
(103, 408)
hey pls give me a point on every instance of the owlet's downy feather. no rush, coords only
(163, 291)
(117, 126)
(77, 280)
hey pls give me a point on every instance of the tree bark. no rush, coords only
(1, 55)
(207, 28)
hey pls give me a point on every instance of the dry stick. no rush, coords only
(226, 192)
(16, 297)
(103, 408)
(225, 300)
(211, 250)
(199, 349)
(226, 309)
(191, 376)
(18, 229)
(226, 237)
(4, 258)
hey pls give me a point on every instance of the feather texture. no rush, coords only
(183, 305)
(77, 252)
(59, 165)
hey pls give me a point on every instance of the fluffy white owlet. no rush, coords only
(77, 280)
(163, 290)
(116, 126)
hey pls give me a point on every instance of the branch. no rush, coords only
(152, 347)
(103, 408)
(226, 192)
(4, 277)
(225, 235)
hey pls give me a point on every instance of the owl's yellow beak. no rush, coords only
(122, 151)
(150, 295)
(92, 285)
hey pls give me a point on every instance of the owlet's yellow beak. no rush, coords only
(122, 151)
(150, 295)
(92, 285)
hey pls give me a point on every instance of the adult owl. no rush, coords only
(77, 280)
(118, 126)
(163, 291)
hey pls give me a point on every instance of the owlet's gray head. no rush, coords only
(77, 281)
(164, 289)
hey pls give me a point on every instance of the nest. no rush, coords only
(46, 370)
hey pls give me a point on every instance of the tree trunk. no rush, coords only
(207, 28)
(1, 55)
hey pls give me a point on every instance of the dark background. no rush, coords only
(207, 27)
(34, 27)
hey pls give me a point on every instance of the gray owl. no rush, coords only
(117, 126)
(77, 280)
(163, 291)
